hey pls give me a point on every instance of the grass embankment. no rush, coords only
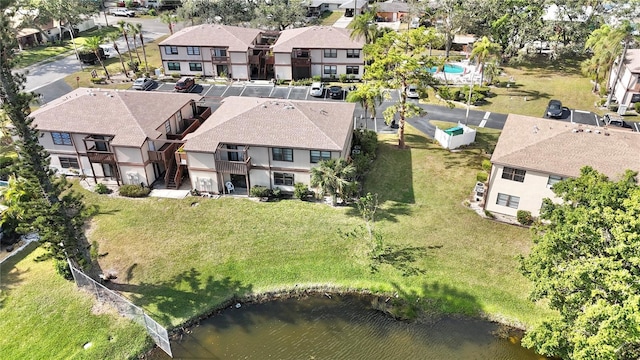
(46, 317)
(178, 260)
(537, 82)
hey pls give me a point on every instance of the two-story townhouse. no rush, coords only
(216, 51)
(532, 154)
(627, 87)
(127, 136)
(267, 142)
(323, 51)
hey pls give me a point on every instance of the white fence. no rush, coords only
(125, 307)
(451, 142)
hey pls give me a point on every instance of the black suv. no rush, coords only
(554, 109)
(336, 92)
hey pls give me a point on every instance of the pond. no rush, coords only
(338, 328)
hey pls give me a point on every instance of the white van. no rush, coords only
(109, 51)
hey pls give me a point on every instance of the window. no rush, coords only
(67, 162)
(61, 138)
(353, 70)
(220, 52)
(193, 50)
(283, 179)
(317, 155)
(353, 53)
(171, 50)
(234, 155)
(553, 179)
(508, 200)
(173, 66)
(280, 154)
(513, 174)
(195, 66)
(330, 69)
(167, 127)
(330, 53)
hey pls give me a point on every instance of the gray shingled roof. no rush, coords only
(316, 37)
(271, 123)
(234, 37)
(129, 116)
(552, 147)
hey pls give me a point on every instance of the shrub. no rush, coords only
(343, 78)
(101, 188)
(62, 268)
(175, 75)
(300, 191)
(482, 177)
(445, 93)
(636, 107)
(317, 78)
(134, 191)
(367, 140)
(362, 163)
(259, 191)
(524, 217)
(486, 165)
(152, 12)
(276, 192)
(613, 107)
(489, 214)
(99, 80)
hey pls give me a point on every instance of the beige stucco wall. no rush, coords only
(200, 160)
(531, 191)
(282, 65)
(212, 185)
(133, 175)
(260, 177)
(128, 155)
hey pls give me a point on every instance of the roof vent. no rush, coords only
(588, 130)
(323, 112)
(264, 106)
(574, 130)
(597, 131)
(289, 107)
(535, 129)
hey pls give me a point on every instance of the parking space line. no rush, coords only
(582, 111)
(636, 125)
(208, 90)
(289, 93)
(225, 90)
(243, 89)
(486, 115)
(306, 96)
(597, 122)
(271, 92)
(571, 112)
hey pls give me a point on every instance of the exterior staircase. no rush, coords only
(169, 177)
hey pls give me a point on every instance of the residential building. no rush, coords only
(267, 142)
(392, 11)
(127, 136)
(317, 7)
(627, 87)
(217, 51)
(323, 51)
(532, 154)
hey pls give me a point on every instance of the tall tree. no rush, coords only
(364, 26)
(585, 264)
(281, 14)
(483, 50)
(369, 96)
(67, 13)
(397, 60)
(134, 31)
(93, 44)
(138, 27)
(123, 28)
(332, 177)
(113, 38)
(168, 18)
(56, 213)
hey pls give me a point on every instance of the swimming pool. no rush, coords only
(4, 183)
(449, 69)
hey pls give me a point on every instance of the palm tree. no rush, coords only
(93, 43)
(113, 38)
(363, 25)
(333, 177)
(138, 27)
(167, 18)
(484, 50)
(369, 96)
(133, 29)
(122, 26)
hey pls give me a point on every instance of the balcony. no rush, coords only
(233, 167)
(220, 59)
(164, 154)
(102, 157)
(190, 125)
(298, 61)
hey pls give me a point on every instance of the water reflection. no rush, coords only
(337, 328)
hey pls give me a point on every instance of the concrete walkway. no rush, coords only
(169, 194)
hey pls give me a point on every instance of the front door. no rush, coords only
(239, 181)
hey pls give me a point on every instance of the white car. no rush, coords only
(317, 89)
(122, 12)
(412, 92)
(142, 84)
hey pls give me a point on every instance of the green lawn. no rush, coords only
(178, 260)
(46, 317)
(329, 18)
(539, 81)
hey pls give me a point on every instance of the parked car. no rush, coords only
(143, 84)
(317, 89)
(124, 3)
(614, 120)
(122, 12)
(89, 57)
(554, 109)
(412, 92)
(336, 92)
(185, 84)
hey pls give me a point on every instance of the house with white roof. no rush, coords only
(532, 154)
(272, 143)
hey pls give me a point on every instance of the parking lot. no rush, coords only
(588, 118)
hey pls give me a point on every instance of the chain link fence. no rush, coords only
(125, 307)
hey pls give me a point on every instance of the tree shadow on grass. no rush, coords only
(182, 295)
(440, 298)
(529, 94)
(387, 211)
(402, 259)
